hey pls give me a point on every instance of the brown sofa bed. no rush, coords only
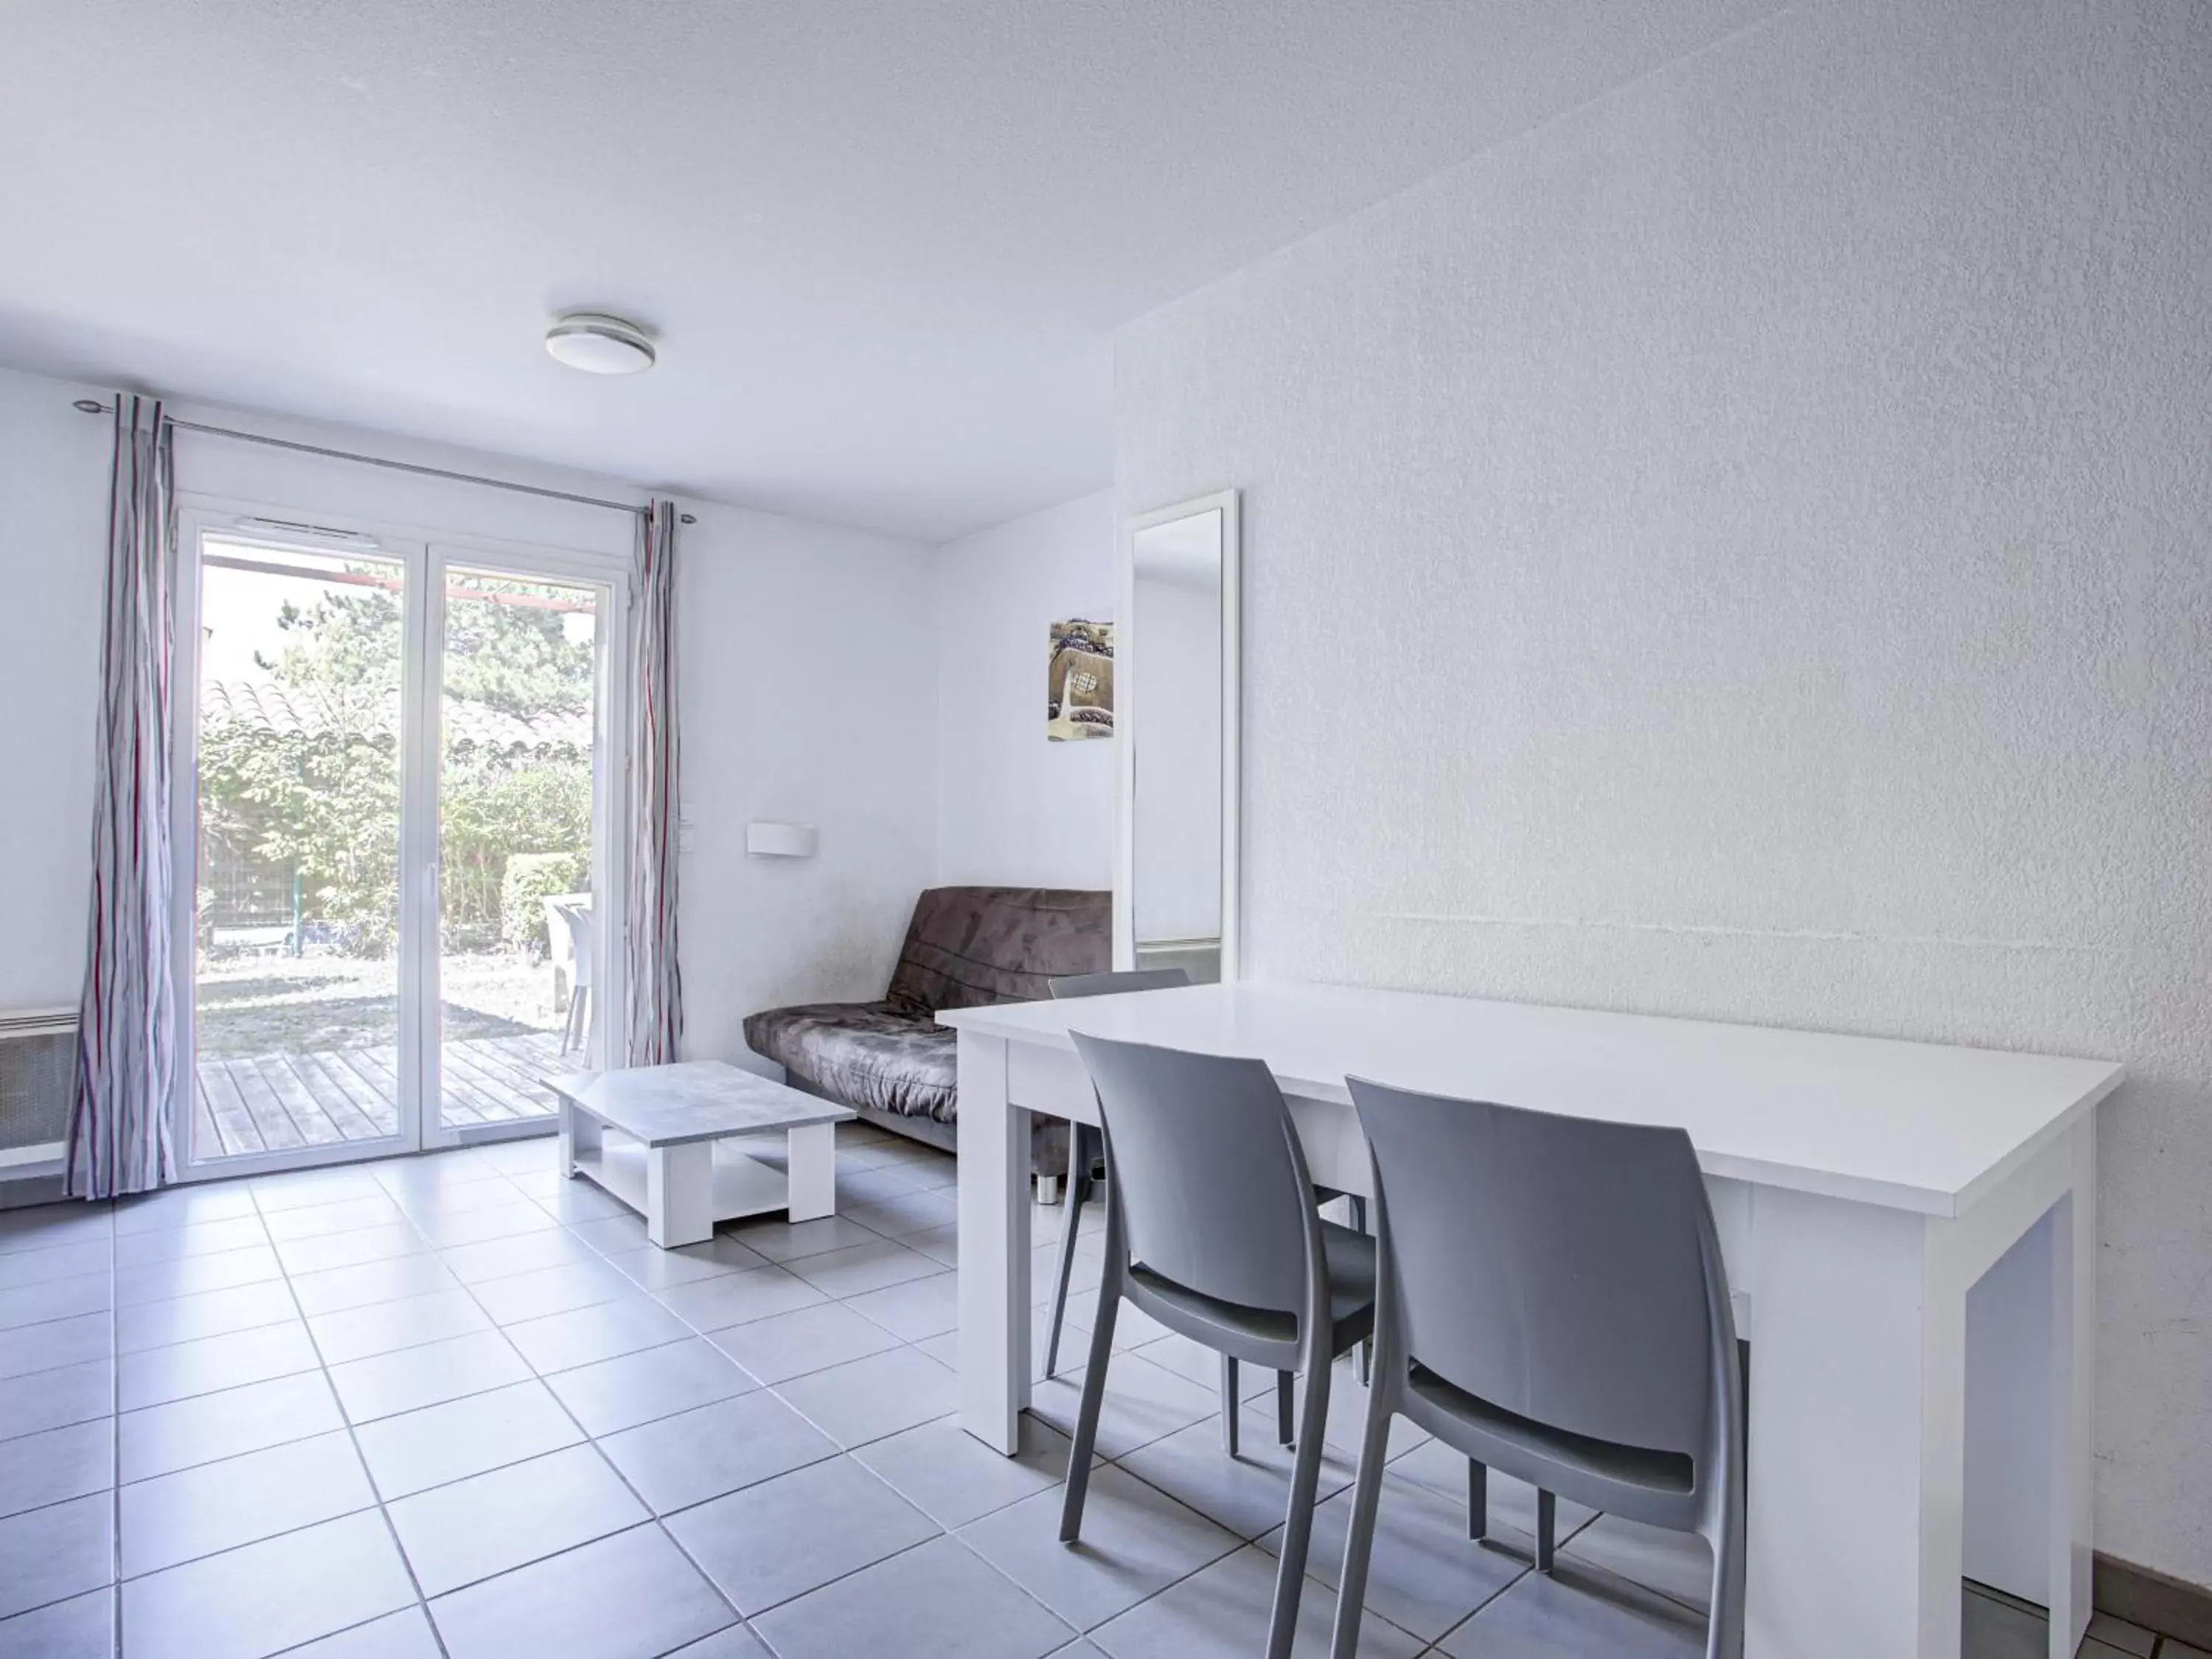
(889, 1060)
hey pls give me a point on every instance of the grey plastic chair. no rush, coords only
(1084, 1151)
(1553, 1303)
(573, 915)
(1083, 1144)
(1211, 1230)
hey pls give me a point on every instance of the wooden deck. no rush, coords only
(280, 1101)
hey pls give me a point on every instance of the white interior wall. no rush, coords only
(1013, 808)
(53, 485)
(1744, 548)
(808, 695)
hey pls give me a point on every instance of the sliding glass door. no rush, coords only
(393, 791)
(519, 720)
(295, 918)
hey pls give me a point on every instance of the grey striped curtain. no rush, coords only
(119, 1125)
(656, 989)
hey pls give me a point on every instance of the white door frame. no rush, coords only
(425, 553)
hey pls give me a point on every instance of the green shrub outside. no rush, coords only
(314, 800)
(530, 878)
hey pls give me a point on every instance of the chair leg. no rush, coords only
(1297, 1523)
(1724, 1622)
(1079, 1188)
(1477, 1500)
(1283, 1408)
(1366, 1360)
(1724, 1626)
(1229, 1404)
(1547, 1527)
(1086, 1439)
(1360, 1532)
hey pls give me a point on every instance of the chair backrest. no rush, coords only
(1205, 1172)
(1561, 1268)
(1107, 985)
(576, 919)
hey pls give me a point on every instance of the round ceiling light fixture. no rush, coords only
(599, 344)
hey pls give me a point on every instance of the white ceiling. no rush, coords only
(883, 242)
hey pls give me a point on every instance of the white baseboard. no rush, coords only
(49, 1151)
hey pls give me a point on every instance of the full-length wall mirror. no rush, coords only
(1178, 716)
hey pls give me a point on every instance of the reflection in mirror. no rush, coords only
(1174, 644)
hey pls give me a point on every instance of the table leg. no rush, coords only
(1857, 1417)
(679, 1193)
(580, 1136)
(812, 1158)
(995, 1247)
(2073, 1343)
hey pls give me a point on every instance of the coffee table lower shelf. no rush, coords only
(684, 1191)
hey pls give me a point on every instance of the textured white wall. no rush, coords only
(1013, 808)
(808, 694)
(1745, 548)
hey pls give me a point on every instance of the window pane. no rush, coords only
(297, 1004)
(518, 727)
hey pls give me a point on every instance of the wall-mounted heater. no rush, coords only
(38, 1052)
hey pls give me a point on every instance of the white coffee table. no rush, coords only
(658, 1138)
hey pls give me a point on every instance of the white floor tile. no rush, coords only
(267, 1596)
(456, 1534)
(784, 1537)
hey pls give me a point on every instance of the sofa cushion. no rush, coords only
(969, 946)
(875, 1054)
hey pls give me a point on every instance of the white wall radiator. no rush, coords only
(38, 1052)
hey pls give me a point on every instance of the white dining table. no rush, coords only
(1861, 1188)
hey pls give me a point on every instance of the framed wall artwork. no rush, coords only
(1080, 681)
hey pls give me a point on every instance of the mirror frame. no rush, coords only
(1129, 724)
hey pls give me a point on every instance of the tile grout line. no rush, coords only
(353, 1439)
(322, 1370)
(944, 1534)
(1254, 1543)
(744, 1621)
(1243, 1543)
(841, 1450)
(1240, 1542)
(653, 1514)
(853, 1450)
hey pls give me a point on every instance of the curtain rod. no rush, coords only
(92, 406)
